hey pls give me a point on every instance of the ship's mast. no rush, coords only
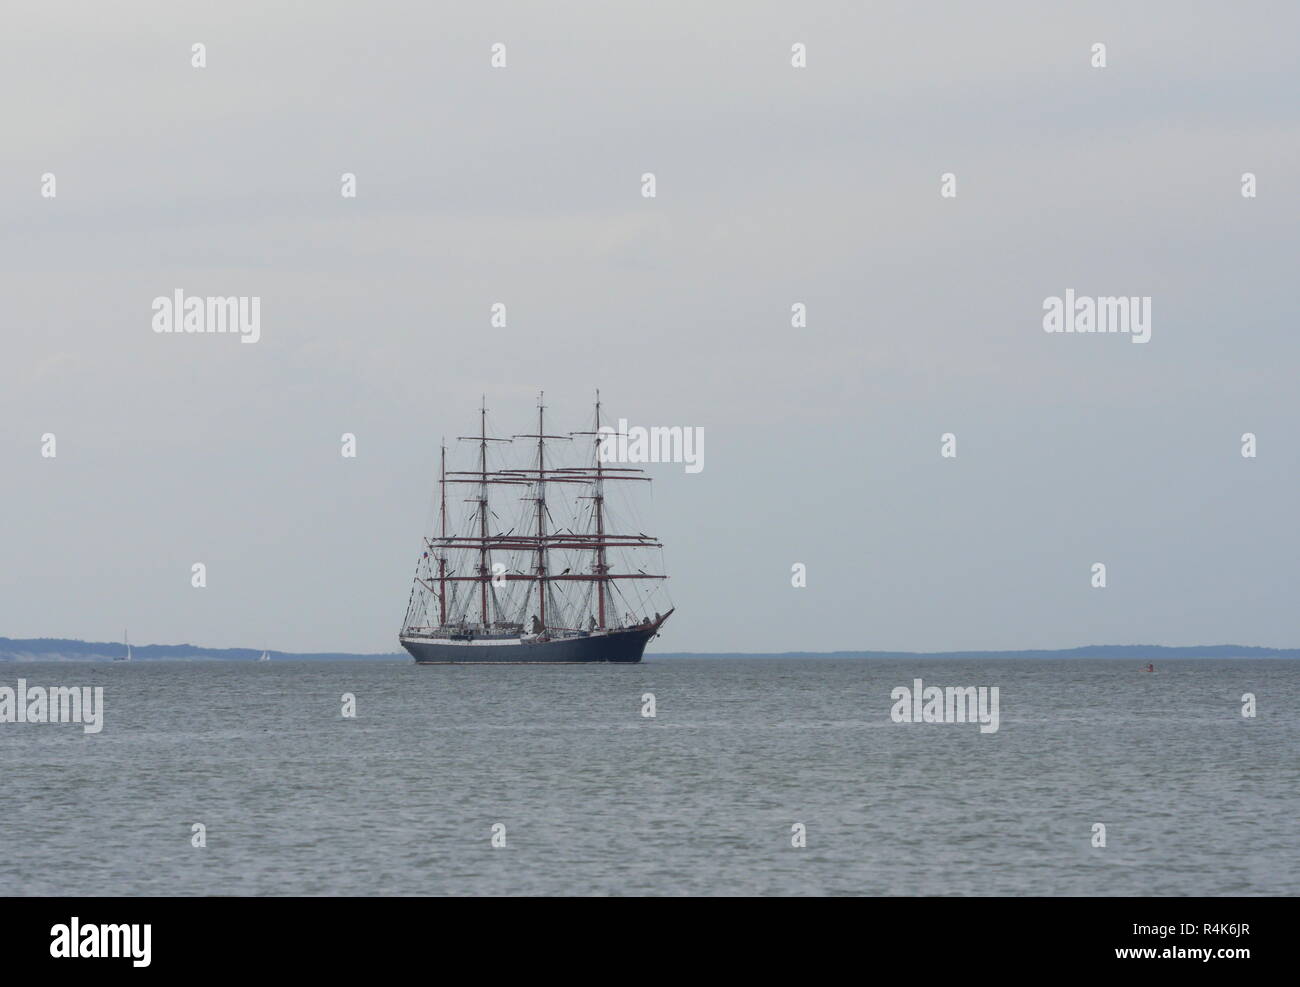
(600, 525)
(540, 543)
(481, 542)
(483, 568)
(442, 549)
(602, 539)
(541, 513)
(597, 541)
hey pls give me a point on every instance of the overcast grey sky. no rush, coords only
(775, 185)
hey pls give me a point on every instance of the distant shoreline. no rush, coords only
(14, 650)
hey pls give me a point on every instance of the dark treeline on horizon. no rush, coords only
(68, 649)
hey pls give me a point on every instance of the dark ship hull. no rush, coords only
(622, 646)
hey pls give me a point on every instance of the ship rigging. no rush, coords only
(561, 583)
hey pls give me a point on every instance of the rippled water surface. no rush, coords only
(596, 799)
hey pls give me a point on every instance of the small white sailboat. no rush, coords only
(126, 641)
(265, 656)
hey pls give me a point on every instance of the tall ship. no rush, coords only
(540, 560)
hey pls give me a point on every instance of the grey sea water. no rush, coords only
(596, 799)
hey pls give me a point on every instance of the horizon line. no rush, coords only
(51, 644)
